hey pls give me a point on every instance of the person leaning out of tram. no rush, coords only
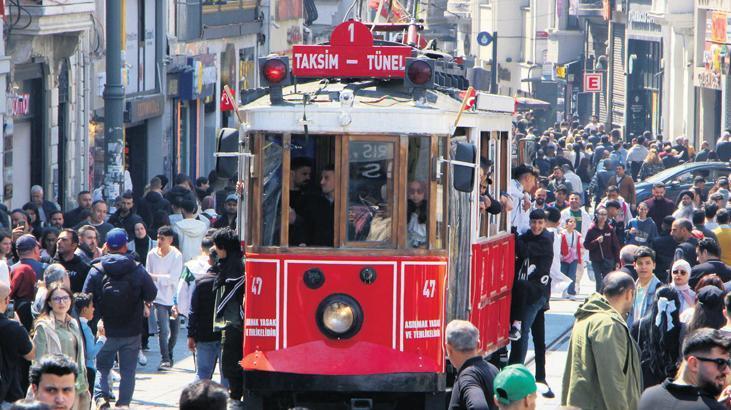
(487, 202)
(523, 183)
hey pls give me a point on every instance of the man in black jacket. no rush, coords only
(473, 387)
(534, 256)
(201, 338)
(66, 245)
(703, 377)
(682, 232)
(74, 216)
(120, 287)
(125, 217)
(709, 258)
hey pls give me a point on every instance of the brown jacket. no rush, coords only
(626, 189)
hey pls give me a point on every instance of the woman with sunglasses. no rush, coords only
(56, 332)
(680, 273)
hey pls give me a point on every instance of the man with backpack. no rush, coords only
(120, 287)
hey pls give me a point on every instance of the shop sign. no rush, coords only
(199, 81)
(144, 108)
(640, 21)
(707, 79)
(20, 106)
(714, 4)
(592, 82)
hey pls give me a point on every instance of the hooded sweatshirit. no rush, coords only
(194, 269)
(603, 362)
(190, 235)
(120, 321)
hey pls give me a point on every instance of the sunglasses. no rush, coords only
(721, 363)
(679, 272)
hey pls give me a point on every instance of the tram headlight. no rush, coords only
(339, 316)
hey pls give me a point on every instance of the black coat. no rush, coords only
(664, 246)
(77, 268)
(538, 251)
(125, 222)
(706, 268)
(202, 306)
(473, 388)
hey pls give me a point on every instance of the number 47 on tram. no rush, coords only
(362, 224)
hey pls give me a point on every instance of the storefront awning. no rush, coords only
(527, 103)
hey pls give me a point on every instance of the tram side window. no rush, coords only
(370, 191)
(312, 191)
(417, 208)
(271, 194)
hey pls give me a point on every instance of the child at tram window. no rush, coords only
(416, 210)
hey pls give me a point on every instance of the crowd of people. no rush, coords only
(83, 291)
(654, 331)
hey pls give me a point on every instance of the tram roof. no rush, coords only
(377, 107)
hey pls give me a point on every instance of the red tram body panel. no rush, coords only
(493, 273)
(403, 315)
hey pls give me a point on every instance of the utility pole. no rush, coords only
(114, 104)
(493, 82)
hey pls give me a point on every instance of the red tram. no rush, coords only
(350, 287)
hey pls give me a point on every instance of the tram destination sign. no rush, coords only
(350, 54)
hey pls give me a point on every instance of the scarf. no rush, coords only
(142, 247)
(685, 293)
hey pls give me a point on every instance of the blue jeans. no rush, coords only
(569, 269)
(206, 356)
(601, 269)
(127, 348)
(167, 331)
(519, 348)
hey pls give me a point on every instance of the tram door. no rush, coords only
(493, 262)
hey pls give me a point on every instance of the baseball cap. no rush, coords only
(116, 238)
(232, 197)
(26, 243)
(514, 383)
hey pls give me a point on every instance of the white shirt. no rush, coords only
(575, 181)
(165, 272)
(519, 218)
(4, 272)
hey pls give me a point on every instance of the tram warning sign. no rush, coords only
(350, 54)
(592, 82)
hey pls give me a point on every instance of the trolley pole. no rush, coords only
(493, 81)
(114, 104)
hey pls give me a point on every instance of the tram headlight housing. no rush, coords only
(339, 316)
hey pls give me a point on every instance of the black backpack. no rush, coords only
(117, 294)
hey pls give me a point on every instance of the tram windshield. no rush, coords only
(354, 191)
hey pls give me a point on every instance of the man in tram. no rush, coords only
(320, 211)
(300, 174)
(519, 189)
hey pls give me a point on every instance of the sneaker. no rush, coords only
(145, 348)
(514, 333)
(236, 405)
(545, 389)
(115, 375)
(165, 366)
(102, 403)
(570, 296)
(141, 358)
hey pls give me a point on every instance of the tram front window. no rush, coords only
(370, 191)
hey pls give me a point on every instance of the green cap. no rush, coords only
(514, 383)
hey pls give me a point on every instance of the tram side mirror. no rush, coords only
(227, 140)
(464, 176)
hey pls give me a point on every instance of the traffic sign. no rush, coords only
(350, 54)
(561, 71)
(592, 82)
(484, 38)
